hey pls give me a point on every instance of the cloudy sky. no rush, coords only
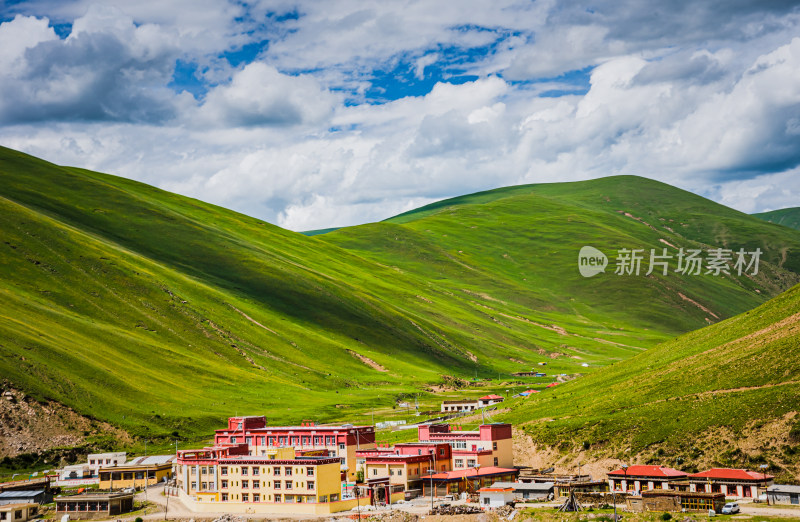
(312, 114)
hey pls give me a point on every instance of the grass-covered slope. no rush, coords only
(514, 253)
(788, 217)
(157, 312)
(684, 402)
(160, 313)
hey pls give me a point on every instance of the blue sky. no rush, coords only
(318, 114)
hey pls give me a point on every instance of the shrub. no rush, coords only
(137, 519)
(666, 516)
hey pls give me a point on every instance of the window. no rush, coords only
(263, 441)
(256, 497)
(495, 461)
(194, 486)
(233, 440)
(204, 486)
(305, 441)
(224, 484)
(244, 470)
(256, 484)
(288, 484)
(494, 445)
(295, 441)
(391, 473)
(459, 463)
(282, 441)
(317, 441)
(277, 484)
(224, 497)
(271, 441)
(245, 497)
(204, 470)
(399, 472)
(255, 470)
(471, 463)
(310, 485)
(310, 472)
(248, 440)
(276, 470)
(222, 471)
(245, 484)
(91, 461)
(277, 498)
(341, 445)
(288, 472)
(374, 471)
(486, 500)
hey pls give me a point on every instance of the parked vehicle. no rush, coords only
(730, 508)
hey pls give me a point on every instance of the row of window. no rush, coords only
(299, 499)
(294, 441)
(255, 470)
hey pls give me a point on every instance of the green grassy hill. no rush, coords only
(162, 314)
(725, 395)
(788, 217)
(514, 252)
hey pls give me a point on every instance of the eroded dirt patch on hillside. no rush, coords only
(28, 426)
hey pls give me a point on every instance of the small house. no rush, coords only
(783, 494)
(495, 497)
(19, 512)
(94, 505)
(35, 496)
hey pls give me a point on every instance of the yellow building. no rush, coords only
(269, 483)
(137, 473)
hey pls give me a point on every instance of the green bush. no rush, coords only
(137, 519)
(666, 516)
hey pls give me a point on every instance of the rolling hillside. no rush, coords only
(521, 244)
(162, 315)
(725, 395)
(788, 217)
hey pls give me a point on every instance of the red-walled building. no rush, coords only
(489, 445)
(644, 478)
(733, 482)
(340, 441)
(405, 464)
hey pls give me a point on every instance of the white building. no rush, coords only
(105, 460)
(495, 497)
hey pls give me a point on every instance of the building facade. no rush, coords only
(404, 464)
(139, 472)
(489, 445)
(739, 483)
(278, 481)
(783, 494)
(341, 441)
(644, 478)
(97, 461)
(94, 505)
(19, 512)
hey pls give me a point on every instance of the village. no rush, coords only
(253, 469)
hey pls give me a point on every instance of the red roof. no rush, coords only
(551, 385)
(496, 490)
(732, 474)
(648, 471)
(490, 398)
(471, 472)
